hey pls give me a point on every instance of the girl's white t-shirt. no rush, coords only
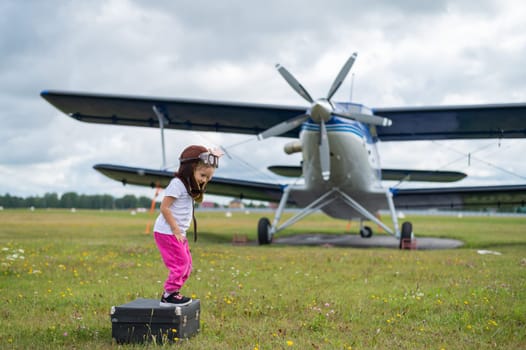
(181, 208)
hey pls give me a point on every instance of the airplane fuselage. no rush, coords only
(355, 167)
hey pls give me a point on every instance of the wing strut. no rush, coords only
(162, 119)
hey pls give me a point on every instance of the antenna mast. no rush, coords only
(352, 87)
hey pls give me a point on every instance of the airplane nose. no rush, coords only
(321, 110)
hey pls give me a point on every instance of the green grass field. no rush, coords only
(61, 272)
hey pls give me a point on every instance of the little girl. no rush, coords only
(197, 166)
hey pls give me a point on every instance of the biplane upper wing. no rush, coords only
(409, 123)
(218, 186)
(183, 114)
(454, 122)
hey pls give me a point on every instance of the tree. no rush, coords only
(69, 200)
(127, 202)
(74, 200)
(51, 200)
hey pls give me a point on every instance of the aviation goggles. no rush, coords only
(206, 157)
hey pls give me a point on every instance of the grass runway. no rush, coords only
(60, 273)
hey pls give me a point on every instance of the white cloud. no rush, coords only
(409, 53)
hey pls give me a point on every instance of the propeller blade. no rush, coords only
(366, 118)
(325, 153)
(283, 127)
(294, 83)
(341, 76)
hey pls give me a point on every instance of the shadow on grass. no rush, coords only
(228, 238)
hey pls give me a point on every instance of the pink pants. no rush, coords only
(177, 258)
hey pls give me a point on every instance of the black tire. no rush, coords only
(263, 231)
(406, 232)
(366, 232)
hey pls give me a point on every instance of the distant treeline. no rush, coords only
(74, 200)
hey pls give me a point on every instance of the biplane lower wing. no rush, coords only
(218, 186)
(423, 198)
(477, 197)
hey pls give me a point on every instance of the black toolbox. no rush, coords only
(143, 320)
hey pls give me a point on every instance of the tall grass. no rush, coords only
(61, 272)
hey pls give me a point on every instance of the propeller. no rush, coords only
(320, 111)
(341, 76)
(325, 152)
(289, 78)
(283, 127)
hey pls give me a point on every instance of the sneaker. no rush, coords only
(174, 299)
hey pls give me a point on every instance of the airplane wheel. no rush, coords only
(263, 231)
(407, 232)
(366, 232)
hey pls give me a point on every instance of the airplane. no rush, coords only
(340, 165)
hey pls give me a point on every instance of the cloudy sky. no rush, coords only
(410, 53)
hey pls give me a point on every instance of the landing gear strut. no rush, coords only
(266, 230)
